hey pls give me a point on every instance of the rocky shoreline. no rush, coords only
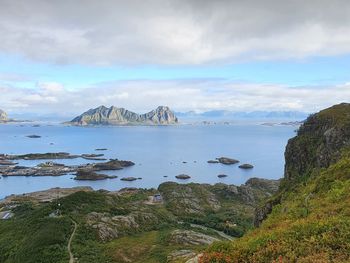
(82, 172)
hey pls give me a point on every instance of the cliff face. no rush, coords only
(3, 116)
(319, 142)
(120, 116)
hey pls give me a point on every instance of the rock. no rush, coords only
(113, 164)
(6, 162)
(212, 161)
(87, 171)
(180, 255)
(50, 164)
(84, 174)
(120, 116)
(128, 179)
(42, 156)
(196, 259)
(227, 161)
(189, 237)
(33, 136)
(46, 195)
(110, 227)
(318, 142)
(246, 166)
(183, 176)
(222, 175)
(96, 157)
(185, 199)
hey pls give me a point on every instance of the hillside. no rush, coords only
(120, 116)
(308, 220)
(132, 225)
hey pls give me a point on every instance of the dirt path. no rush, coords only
(71, 257)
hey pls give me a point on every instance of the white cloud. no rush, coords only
(184, 95)
(173, 31)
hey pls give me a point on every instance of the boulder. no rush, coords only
(227, 161)
(183, 176)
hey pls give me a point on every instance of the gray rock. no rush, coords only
(227, 161)
(189, 237)
(128, 179)
(120, 116)
(183, 176)
(180, 255)
(246, 166)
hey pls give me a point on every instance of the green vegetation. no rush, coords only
(34, 237)
(124, 227)
(310, 225)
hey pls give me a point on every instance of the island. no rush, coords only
(102, 115)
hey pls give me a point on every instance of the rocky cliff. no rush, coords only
(319, 143)
(307, 220)
(120, 116)
(3, 116)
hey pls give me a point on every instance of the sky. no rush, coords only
(64, 57)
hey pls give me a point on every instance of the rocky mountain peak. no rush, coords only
(102, 115)
(3, 116)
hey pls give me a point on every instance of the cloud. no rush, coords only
(173, 31)
(180, 95)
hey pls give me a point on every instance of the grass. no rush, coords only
(312, 224)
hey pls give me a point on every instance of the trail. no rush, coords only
(71, 257)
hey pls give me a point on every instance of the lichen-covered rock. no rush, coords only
(189, 237)
(109, 227)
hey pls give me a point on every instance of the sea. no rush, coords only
(159, 152)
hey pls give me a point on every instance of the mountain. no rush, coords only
(308, 219)
(3, 116)
(120, 116)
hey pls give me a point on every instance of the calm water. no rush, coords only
(157, 152)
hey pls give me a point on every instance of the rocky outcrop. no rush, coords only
(120, 116)
(3, 116)
(109, 227)
(189, 237)
(87, 174)
(227, 161)
(83, 171)
(185, 199)
(318, 144)
(246, 166)
(180, 255)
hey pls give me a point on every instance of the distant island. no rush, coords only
(3, 116)
(102, 115)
